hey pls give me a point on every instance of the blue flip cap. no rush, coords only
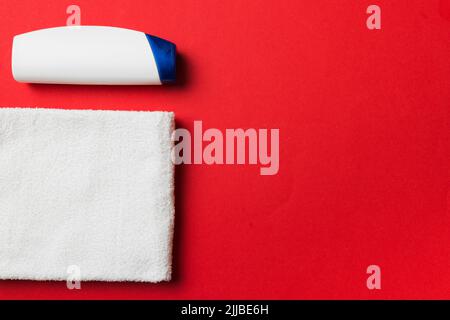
(165, 54)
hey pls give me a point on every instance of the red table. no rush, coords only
(364, 144)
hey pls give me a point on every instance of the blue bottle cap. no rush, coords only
(165, 55)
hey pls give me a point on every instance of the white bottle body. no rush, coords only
(84, 55)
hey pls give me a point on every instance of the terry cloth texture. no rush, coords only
(86, 189)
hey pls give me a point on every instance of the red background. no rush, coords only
(364, 144)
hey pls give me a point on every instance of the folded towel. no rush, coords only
(92, 189)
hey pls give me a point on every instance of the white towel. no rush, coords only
(84, 188)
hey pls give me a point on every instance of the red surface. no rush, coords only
(364, 144)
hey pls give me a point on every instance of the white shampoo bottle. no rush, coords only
(92, 55)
